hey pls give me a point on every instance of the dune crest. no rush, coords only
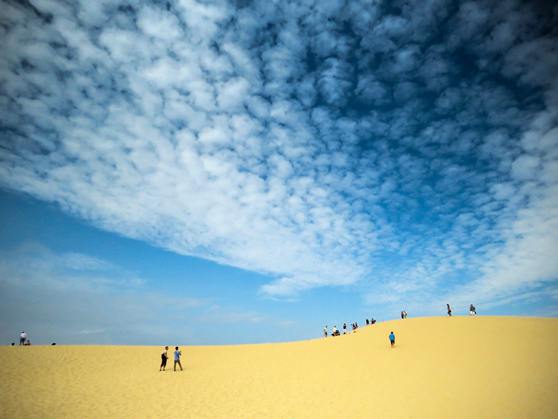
(440, 367)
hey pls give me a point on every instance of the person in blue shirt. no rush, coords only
(392, 339)
(177, 354)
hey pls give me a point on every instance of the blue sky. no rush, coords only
(238, 172)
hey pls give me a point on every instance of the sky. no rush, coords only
(228, 172)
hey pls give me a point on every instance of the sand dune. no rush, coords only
(459, 367)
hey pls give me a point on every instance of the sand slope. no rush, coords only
(459, 367)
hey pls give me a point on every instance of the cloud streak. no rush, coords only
(75, 298)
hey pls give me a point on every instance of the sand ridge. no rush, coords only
(440, 367)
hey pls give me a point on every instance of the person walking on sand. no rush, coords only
(177, 354)
(164, 358)
(325, 332)
(344, 328)
(334, 331)
(22, 338)
(473, 310)
(449, 310)
(392, 339)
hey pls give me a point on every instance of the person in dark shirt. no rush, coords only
(164, 358)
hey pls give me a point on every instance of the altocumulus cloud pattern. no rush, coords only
(409, 145)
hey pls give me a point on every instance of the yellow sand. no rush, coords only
(460, 367)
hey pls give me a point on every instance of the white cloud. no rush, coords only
(228, 316)
(279, 141)
(79, 261)
(525, 167)
(159, 24)
(89, 332)
(503, 191)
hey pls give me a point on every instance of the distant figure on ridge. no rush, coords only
(449, 310)
(402, 315)
(367, 322)
(177, 354)
(392, 339)
(325, 331)
(344, 328)
(164, 358)
(405, 314)
(22, 338)
(473, 310)
(334, 331)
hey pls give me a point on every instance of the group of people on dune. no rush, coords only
(472, 310)
(353, 325)
(23, 341)
(164, 357)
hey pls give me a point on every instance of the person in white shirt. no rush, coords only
(473, 310)
(164, 358)
(22, 338)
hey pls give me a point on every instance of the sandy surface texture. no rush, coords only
(459, 367)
